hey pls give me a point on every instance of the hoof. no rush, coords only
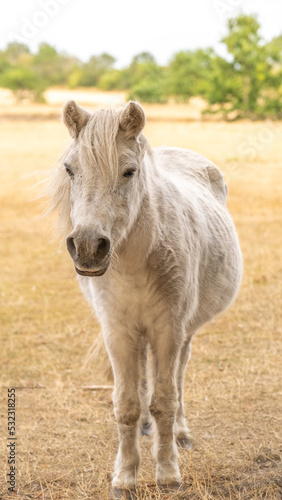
(122, 494)
(184, 443)
(170, 488)
(146, 429)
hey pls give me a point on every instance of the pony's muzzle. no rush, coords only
(90, 252)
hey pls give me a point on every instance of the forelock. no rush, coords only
(98, 141)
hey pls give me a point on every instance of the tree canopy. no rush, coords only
(247, 82)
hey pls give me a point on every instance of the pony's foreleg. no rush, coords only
(144, 393)
(181, 430)
(165, 350)
(124, 358)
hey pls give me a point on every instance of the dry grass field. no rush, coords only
(66, 435)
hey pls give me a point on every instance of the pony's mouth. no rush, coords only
(100, 272)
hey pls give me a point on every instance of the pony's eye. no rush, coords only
(68, 170)
(129, 173)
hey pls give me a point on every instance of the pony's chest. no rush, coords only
(126, 297)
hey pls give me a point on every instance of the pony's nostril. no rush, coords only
(103, 247)
(71, 247)
(102, 244)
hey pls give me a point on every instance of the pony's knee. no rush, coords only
(127, 412)
(164, 404)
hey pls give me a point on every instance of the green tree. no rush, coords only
(188, 73)
(53, 67)
(14, 51)
(93, 70)
(145, 79)
(15, 55)
(142, 67)
(4, 63)
(249, 81)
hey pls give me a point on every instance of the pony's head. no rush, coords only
(100, 184)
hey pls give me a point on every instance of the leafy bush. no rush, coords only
(111, 80)
(24, 83)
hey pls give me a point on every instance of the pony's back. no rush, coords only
(192, 167)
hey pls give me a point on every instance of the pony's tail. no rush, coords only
(97, 354)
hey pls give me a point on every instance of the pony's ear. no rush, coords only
(75, 118)
(132, 120)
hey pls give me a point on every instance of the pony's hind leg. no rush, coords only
(165, 351)
(124, 358)
(180, 428)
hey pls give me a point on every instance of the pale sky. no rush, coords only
(124, 28)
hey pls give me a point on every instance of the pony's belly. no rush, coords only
(218, 287)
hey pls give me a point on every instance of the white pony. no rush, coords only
(157, 256)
